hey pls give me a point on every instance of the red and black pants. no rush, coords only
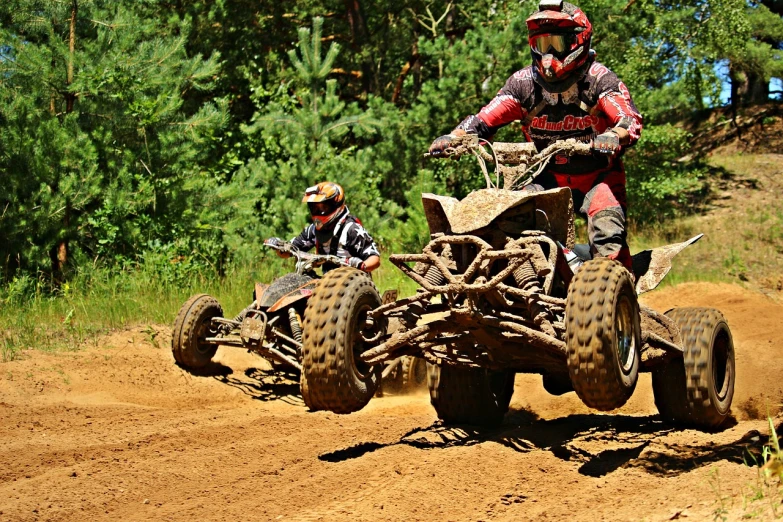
(601, 199)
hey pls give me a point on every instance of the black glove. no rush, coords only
(356, 263)
(440, 145)
(607, 143)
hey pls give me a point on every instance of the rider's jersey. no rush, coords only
(348, 239)
(596, 102)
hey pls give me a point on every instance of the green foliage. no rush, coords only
(662, 180)
(760, 55)
(772, 455)
(666, 51)
(98, 159)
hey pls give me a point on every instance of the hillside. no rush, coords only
(740, 211)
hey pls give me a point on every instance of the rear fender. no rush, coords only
(651, 266)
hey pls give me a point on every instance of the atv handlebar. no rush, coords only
(305, 261)
(510, 153)
(518, 163)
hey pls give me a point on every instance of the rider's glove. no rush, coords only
(440, 145)
(356, 263)
(607, 143)
(274, 242)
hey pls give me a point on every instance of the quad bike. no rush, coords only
(270, 326)
(497, 297)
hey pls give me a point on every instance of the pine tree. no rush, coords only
(322, 119)
(94, 132)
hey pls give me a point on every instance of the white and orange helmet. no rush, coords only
(325, 201)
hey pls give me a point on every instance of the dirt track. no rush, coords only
(117, 431)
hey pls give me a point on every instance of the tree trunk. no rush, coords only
(406, 69)
(747, 88)
(756, 90)
(776, 6)
(61, 253)
(70, 96)
(359, 37)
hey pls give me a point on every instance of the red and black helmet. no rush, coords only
(559, 34)
(325, 201)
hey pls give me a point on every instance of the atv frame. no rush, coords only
(497, 297)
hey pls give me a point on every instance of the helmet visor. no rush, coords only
(556, 44)
(321, 208)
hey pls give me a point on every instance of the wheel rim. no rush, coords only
(419, 372)
(202, 346)
(358, 345)
(721, 364)
(625, 334)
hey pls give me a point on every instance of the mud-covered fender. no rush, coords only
(260, 290)
(651, 266)
(284, 291)
(481, 207)
(303, 292)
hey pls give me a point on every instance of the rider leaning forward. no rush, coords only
(565, 94)
(335, 231)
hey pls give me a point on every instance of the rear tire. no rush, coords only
(697, 390)
(414, 373)
(603, 334)
(191, 327)
(474, 396)
(333, 376)
(557, 383)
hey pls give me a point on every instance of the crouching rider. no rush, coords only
(565, 94)
(335, 231)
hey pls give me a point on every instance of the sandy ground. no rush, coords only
(117, 431)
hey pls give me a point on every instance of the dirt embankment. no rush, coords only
(117, 431)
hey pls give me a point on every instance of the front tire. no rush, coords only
(334, 378)
(193, 325)
(603, 334)
(698, 389)
(476, 396)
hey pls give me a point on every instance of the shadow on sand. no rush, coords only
(263, 385)
(573, 438)
(266, 385)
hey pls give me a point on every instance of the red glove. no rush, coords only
(440, 145)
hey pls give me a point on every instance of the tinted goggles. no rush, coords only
(557, 44)
(322, 208)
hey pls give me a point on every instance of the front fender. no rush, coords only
(303, 292)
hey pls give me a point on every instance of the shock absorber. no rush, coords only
(525, 276)
(434, 276)
(296, 327)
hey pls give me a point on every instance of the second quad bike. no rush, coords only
(271, 326)
(497, 297)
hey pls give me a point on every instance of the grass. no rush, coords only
(102, 300)
(763, 498)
